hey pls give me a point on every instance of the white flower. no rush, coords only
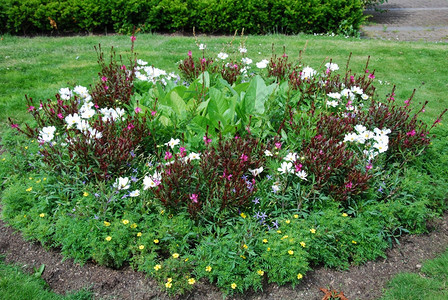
(364, 97)
(357, 90)
(382, 147)
(285, 167)
(148, 182)
(135, 193)
(332, 103)
(65, 93)
(334, 95)
(262, 64)
(381, 138)
(122, 183)
(350, 137)
(256, 172)
(83, 126)
(95, 133)
(276, 187)
(332, 66)
(141, 62)
(72, 120)
(370, 154)
(381, 131)
(172, 143)
(267, 153)
(82, 92)
(347, 94)
(47, 133)
(302, 174)
(202, 47)
(246, 60)
(360, 128)
(86, 110)
(222, 55)
(141, 76)
(120, 111)
(292, 157)
(307, 73)
(193, 156)
(157, 176)
(242, 50)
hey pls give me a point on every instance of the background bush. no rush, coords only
(208, 16)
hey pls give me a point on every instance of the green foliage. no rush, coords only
(211, 16)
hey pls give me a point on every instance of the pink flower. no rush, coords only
(189, 53)
(153, 113)
(278, 145)
(207, 140)
(182, 151)
(298, 167)
(411, 133)
(97, 106)
(14, 125)
(123, 67)
(130, 126)
(60, 116)
(369, 167)
(371, 76)
(104, 78)
(194, 198)
(106, 87)
(133, 38)
(31, 108)
(367, 71)
(168, 155)
(349, 185)
(243, 157)
(352, 78)
(137, 110)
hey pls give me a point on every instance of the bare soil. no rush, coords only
(359, 282)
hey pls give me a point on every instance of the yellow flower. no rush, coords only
(260, 272)
(169, 279)
(299, 276)
(45, 178)
(344, 215)
(3, 159)
(29, 189)
(243, 257)
(312, 230)
(108, 238)
(279, 231)
(175, 255)
(30, 178)
(42, 215)
(269, 249)
(107, 224)
(208, 268)
(156, 241)
(26, 147)
(157, 267)
(290, 252)
(354, 242)
(139, 234)
(168, 285)
(162, 212)
(285, 237)
(125, 222)
(191, 281)
(38, 181)
(141, 247)
(302, 244)
(243, 215)
(233, 285)
(85, 194)
(245, 246)
(265, 241)
(287, 221)
(133, 226)
(186, 259)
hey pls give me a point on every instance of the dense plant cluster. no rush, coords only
(211, 16)
(237, 172)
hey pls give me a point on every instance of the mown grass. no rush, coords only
(17, 285)
(39, 66)
(430, 284)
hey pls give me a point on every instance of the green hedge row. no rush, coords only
(208, 16)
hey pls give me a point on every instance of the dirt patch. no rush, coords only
(359, 282)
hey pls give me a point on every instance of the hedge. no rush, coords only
(208, 16)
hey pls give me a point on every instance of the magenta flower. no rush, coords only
(106, 87)
(207, 140)
(168, 155)
(369, 167)
(14, 125)
(130, 126)
(194, 198)
(137, 110)
(133, 38)
(371, 76)
(411, 133)
(243, 157)
(31, 108)
(182, 151)
(104, 78)
(278, 145)
(60, 116)
(123, 67)
(349, 185)
(153, 113)
(189, 53)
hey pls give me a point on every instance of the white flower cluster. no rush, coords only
(151, 181)
(152, 74)
(79, 90)
(375, 141)
(46, 134)
(287, 167)
(122, 183)
(349, 94)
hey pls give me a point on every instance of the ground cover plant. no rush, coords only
(222, 175)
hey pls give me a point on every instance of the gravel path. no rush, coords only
(409, 20)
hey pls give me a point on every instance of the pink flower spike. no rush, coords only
(137, 110)
(104, 79)
(133, 38)
(60, 116)
(31, 108)
(194, 198)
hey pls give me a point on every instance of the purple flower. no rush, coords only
(275, 224)
(134, 179)
(96, 195)
(256, 201)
